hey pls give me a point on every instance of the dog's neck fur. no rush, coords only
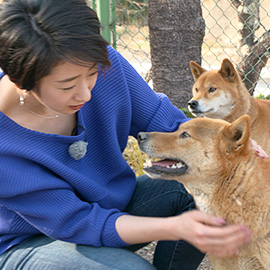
(207, 196)
(234, 187)
(202, 200)
(245, 105)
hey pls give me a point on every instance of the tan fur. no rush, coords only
(225, 177)
(230, 100)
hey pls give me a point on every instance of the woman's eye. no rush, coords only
(93, 73)
(184, 135)
(68, 88)
(212, 89)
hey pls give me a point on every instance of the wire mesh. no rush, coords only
(222, 39)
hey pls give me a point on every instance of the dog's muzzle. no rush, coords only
(142, 136)
(165, 166)
(193, 104)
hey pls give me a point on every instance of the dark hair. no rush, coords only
(37, 35)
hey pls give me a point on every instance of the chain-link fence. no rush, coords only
(224, 35)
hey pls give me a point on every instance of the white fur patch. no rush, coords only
(217, 107)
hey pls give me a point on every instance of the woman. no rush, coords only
(68, 198)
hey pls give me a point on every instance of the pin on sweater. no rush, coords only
(77, 150)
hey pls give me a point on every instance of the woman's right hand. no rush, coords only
(210, 234)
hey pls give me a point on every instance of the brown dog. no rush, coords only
(221, 94)
(216, 162)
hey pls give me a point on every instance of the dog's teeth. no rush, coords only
(148, 163)
(179, 165)
(175, 166)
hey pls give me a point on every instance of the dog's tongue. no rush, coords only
(164, 163)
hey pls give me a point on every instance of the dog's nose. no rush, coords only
(142, 136)
(193, 104)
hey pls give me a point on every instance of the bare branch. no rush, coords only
(253, 62)
(249, 18)
(236, 3)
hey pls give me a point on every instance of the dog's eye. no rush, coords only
(184, 135)
(212, 89)
(196, 89)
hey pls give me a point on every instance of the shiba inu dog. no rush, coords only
(221, 94)
(216, 162)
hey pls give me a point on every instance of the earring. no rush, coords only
(22, 97)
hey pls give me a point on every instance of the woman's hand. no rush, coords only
(206, 232)
(210, 234)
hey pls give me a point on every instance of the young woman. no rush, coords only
(68, 199)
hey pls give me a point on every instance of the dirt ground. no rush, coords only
(148, 251)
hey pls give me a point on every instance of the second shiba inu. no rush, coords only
(219, 166)
(221, 94)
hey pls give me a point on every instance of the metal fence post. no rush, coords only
(94, 5)
(103, 11)
(114, 24)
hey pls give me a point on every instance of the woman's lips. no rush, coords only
(76, 108)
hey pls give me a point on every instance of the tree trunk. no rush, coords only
(254, 53)
(176, 30)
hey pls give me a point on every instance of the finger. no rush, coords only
(223, 241)
(227, 231)
(208, 219)
(210, 227)
(236, 235)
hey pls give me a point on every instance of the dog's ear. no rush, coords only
(196, 70)
(227, 71)
(234, 138)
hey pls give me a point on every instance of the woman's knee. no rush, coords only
(156, 197)
(42, 252)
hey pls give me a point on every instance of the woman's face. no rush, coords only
(67, 88)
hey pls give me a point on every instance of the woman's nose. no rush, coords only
(84, 92)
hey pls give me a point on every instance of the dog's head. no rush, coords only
(214, 91)
(198, 152)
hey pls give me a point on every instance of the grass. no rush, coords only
(135, 157)
(261, 96)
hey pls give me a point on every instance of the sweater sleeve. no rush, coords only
(49, 204)
(150, 111)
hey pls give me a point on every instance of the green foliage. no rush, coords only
(135, 157)
(261, 96)
(187, 112)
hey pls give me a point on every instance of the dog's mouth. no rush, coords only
(199, 112)
(165, 166)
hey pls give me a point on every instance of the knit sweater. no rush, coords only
(45, 191)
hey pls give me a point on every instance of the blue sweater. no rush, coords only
(45, 191)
